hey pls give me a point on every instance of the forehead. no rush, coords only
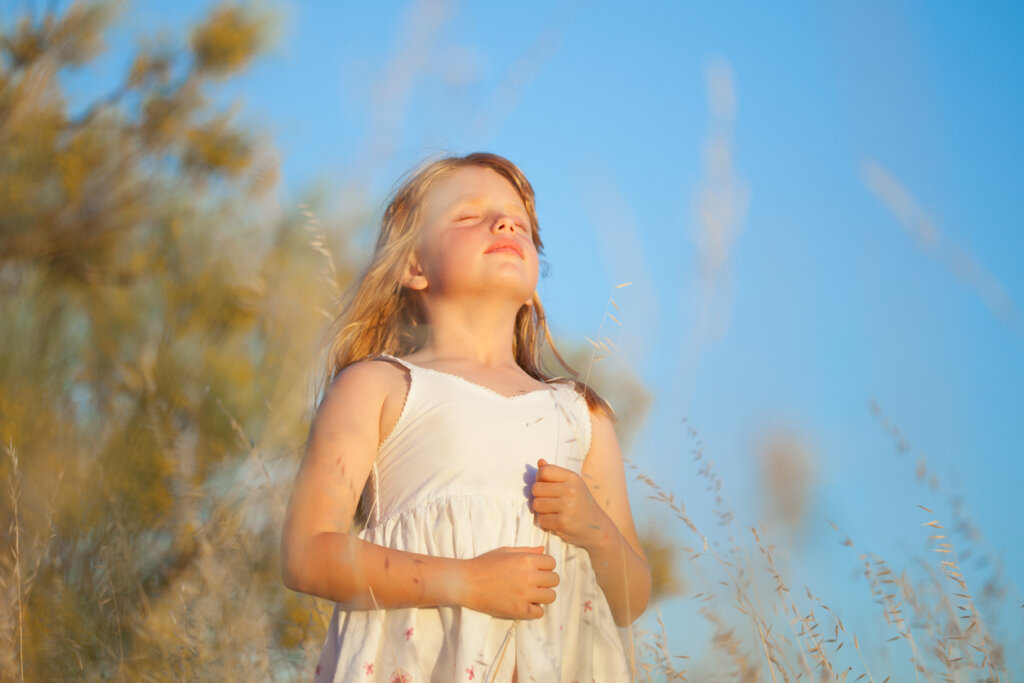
(467, 185)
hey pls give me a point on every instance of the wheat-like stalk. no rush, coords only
(318, 242)
(15, 489)
(603, 342)
(387, 638)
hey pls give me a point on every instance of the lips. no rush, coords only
(508, 245)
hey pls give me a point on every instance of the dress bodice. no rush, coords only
(457, 438)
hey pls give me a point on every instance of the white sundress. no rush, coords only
(452, 480)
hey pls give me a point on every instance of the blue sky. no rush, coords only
(868, 193)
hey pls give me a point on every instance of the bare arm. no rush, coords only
(319, 556)
(593, 512)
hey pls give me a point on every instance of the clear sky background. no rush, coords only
(818, 206)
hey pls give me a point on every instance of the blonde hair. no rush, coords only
(380, 315)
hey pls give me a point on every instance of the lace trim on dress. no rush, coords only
(460, 378)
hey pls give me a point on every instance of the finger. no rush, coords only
(547, 521)
(548, 472)
(534, 611)
(548, 579)
(546, 505)
(546, 489)
(545, 563)
(528, 549)
(542, 596)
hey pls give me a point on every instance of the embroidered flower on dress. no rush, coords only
(588, 606)
(317, 672)
(408, 633)
(470, 673)
(401, 676)
(368, 667)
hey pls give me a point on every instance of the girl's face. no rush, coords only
(475, 239)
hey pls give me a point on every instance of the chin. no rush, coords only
(518, 287)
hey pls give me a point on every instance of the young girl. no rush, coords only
(498, 540)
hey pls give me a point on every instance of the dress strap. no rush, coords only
(395, 359)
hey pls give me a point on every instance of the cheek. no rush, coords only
(435, 259)
(534, 259)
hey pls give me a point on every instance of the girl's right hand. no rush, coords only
(511, 583)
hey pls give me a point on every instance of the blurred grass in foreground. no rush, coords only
(160, 324)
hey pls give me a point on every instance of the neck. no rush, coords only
(480, 332)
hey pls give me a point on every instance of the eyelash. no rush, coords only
(520, 225)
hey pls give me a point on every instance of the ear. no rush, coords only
(413, 276)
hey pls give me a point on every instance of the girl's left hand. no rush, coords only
(564, 505)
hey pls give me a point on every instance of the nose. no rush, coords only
(506, 224)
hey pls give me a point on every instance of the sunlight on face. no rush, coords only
(476, 236)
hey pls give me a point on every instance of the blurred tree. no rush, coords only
(147, 320)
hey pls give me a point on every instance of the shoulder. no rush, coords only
(602, 430)
(596, 404)
(590, 413)
(603, 459)
(368, 373)
(369, 383)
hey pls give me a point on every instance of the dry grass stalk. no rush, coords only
(504, 646)
(318, 242)
(606, 345)
(744, 604)
(15, 491)
(976, 630)
(602, 345)
(953, 638)
(659, 648)
(384, 630)
(941, 611)
(782, 592)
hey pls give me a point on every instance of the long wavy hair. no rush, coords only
(380, 315)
